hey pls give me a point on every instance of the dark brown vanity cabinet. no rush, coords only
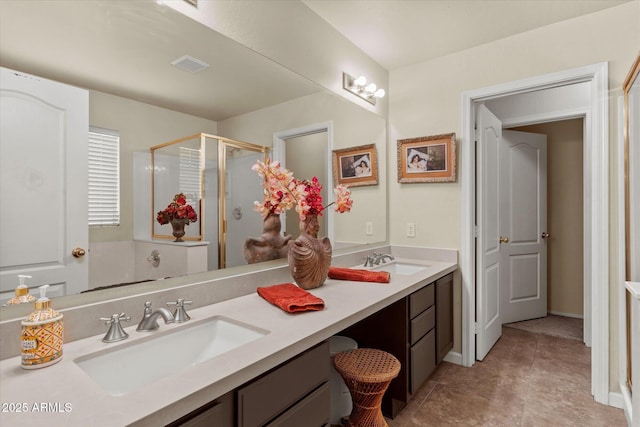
(417, 330)
(295, 393)
(444, 316)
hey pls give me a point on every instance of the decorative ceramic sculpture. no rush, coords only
(309, 257)
(271, 245)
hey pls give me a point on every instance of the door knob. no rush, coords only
(504, 239)
(545, 235)
(78, 252)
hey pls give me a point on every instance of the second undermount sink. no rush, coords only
(401, 268)
(127, 368)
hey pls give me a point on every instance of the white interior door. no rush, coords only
(488, 286)
(523, 202)
(43, 187)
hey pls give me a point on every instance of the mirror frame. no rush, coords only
(629, 81)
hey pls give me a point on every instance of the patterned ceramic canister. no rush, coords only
(42, 338)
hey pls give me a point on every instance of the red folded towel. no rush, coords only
(359, 275)
(291, 298)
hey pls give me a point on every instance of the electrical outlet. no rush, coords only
(411, 229)
(368, 228)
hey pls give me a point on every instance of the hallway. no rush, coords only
(527, 379)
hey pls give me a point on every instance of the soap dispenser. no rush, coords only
(42, 334)
(22, 292)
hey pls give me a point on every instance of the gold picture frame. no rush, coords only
(356, 166)
(427, 159)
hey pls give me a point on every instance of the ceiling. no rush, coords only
(125, 48)
(396, 33)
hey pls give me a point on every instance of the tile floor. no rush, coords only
(527, 379)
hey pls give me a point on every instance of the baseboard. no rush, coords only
(453, 357)
(616, 399)
(559, 313)
(627, 402)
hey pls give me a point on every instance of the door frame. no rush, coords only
(279, 141)
(596, 213)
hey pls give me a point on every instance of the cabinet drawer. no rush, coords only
(420, 300)
(217, 413)
(312, 411)
(423, 360)
(273, 393)
(423, 323)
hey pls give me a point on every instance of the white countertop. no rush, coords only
(71, 397)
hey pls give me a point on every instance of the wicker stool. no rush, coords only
(367, 373)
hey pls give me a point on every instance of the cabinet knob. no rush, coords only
(504, 239)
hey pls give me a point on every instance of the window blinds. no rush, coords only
(104, 177)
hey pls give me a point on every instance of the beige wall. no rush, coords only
(141, 126)
(425, 99)
(565, 289)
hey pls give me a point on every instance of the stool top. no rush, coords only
(367, 365)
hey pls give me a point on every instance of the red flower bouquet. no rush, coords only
(178, 209)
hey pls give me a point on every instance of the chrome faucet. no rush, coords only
(378, 258)
(149, 321)
(368, 260)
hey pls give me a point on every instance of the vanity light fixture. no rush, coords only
(358, 86)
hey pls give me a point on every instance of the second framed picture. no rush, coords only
(427, 159)
(356, 166)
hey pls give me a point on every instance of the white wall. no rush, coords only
(425, 99)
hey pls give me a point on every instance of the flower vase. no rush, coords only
(271, 245)
(178, 228)
(309, 257)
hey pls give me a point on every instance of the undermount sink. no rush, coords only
(401, 268)
(125, 369)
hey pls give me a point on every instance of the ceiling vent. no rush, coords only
(190, 64)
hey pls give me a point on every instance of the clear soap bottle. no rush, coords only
(42, 334)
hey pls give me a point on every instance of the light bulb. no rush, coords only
(371, 88)
(379, 93)
(360, 81)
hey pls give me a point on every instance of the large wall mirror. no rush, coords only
(122, 53)
(631, 89)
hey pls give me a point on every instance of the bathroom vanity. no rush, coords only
(240, 386)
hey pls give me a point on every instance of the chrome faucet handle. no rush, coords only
(368, 261)
(180, 314)
(115, 332)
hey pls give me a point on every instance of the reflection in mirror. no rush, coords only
(243, 96)
(176, 169)
(214, 174)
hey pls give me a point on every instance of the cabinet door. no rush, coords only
(423, 360)
(444, 316)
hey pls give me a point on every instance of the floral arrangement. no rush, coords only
(282, 192)
(178, 209)
(310, 200)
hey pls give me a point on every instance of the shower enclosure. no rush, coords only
(215, 175)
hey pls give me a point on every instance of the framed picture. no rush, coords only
(356, 166)
(427, 159)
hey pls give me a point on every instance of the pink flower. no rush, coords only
(281, 192)
(343, 199)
